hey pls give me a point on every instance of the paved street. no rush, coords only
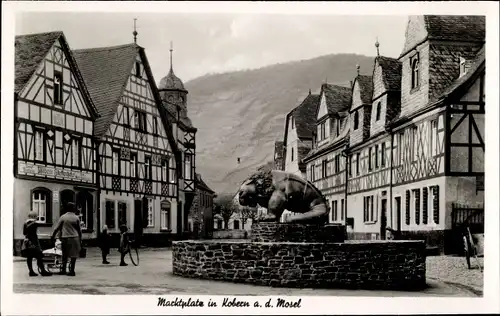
(454, 270)
(154, 276)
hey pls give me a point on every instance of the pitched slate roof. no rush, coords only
(202, 185)
(305, 116)
(106, 71)
(456, 27)
(337, 98)
(30, 50)
(391, 72)
(366, 88)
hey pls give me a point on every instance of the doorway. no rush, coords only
(397, 201)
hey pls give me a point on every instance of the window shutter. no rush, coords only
(407, 207)
(365, 209)
(417, 206)
(436, 204)
(425, 214)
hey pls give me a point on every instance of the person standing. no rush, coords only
(104, 241)
(31, 245)
(124, 244)
(71, 237)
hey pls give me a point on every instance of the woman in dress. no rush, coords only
(31, 245)
(71, 237)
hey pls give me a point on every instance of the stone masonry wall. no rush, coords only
(368, 264)
(295, 232)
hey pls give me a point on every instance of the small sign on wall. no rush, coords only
(55, 196)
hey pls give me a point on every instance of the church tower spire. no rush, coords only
(135, 31)
(171, 51)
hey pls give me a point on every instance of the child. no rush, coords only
(104, 244)
(124, 244)
(31, 246)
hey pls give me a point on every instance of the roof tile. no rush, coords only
(337, 98)
(305, 116)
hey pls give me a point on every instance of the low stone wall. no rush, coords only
(295, 232)
(386, 265)
(230, 234)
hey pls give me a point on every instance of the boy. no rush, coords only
(124, 244)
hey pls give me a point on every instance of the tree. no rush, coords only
(246, 213)
(225, 206)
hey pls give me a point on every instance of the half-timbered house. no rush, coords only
(54, 151)
(174, 100)
(438, 137)
(139, 161)
(326, 162)
(299, 132)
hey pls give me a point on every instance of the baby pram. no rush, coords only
(52, 258)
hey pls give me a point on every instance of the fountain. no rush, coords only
(305, 252)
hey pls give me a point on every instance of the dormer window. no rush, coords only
(337, 130)
(415, 64)
(379, 106)
(356, 120)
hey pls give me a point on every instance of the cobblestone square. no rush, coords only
(154, 276)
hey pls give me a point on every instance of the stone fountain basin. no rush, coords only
(367, 264)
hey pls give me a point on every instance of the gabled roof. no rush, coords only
(106, 71)
(453, 89)
(337, 98)
(201, 184)
(391, 72)
(366, 88)
(456, 27)
(305, 116)
(30, 51)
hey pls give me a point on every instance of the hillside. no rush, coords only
(241, 114)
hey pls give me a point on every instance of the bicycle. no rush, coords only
(133, 252)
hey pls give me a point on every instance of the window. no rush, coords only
(58, 88)
(110, 214)
(415, 80)
(172, 177)
(376, 157)
(292, 154)
(84, 203)
(337, 132)
(126, 118)
(379, 108)
(41, 203)
(312, 172)
(140, 121)
(188, 166)
(155, 125)
(138, 69)
(357, 164)
(337, 163)
(133, 165)
(76, 154)
(164, 170)
(147, 168)
(323, 169)
(151, 214)
(433, 138)
(382, 156)
(116, 162)
(165, 217)
(416, 199)
(342, 210)
(39, 145)
(400, 145)
(236, 224)
(435, 204)
(356, 120)
(350, 166)
(122, 213)
(370, 158)
(323, 131)
(369, 215)
(334, 211)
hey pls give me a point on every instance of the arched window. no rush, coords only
(85, 205)
(379, 108)
(356, 120)
(65, 197)
(415, 72)
(41, 202)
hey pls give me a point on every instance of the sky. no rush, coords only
(215, 43)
